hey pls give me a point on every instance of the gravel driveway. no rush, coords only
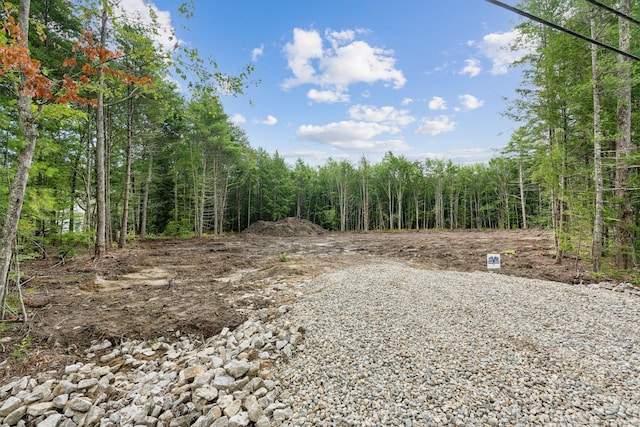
(391, 345)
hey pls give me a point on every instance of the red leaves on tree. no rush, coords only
(15, 58)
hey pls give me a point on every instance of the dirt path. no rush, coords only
(199, 286)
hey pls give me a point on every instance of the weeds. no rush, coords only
(284, 257)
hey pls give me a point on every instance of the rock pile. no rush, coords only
(226, 381)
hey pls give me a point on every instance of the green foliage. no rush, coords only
(200, 173)
(23, 349)
(182, 228)
(284, 257)
(70, 245)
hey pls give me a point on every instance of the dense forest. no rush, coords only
(100, 145)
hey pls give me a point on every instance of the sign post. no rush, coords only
(493, 261)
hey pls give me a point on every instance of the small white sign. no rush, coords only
(493, 261)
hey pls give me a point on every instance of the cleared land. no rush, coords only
(199, 286)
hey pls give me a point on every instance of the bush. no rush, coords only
(182, 228)
(68, 244)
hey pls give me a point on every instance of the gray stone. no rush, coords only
(248, 400)
(255, 412)
(204, 378)
(88, 383)
(190, 373)
(94, 415)
(10, 405)
(60, 401)
(37, 409)
(100, 346)
(147, 421)
(237, 368)
(183, 421)
(221, 422)
(241, 419)
(44, 390)
(222, 382)
(15, 416)
(282, 414)
(80, 404)
(131, 414)
(233, 408)
(51, 421)
(207, 393)
(100, 371)
(64, 387)
(215, 362)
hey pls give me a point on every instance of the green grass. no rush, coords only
(284, 257)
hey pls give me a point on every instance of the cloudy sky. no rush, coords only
(347, 78)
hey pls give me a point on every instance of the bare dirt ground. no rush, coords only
(199, 286)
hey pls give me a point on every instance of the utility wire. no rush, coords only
(565, 30)
(614, 11)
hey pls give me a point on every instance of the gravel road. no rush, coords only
(391, 345)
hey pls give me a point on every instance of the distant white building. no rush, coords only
(78, 219)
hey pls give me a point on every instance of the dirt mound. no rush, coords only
(285, 227)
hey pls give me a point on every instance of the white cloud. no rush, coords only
(461, 157)
(387, 115)
(353, 136)
(269, 121)
(497, 47)
(440, 124)
(338, 38)
(139, 11)
(437, 103)
(346, 61)
(359, 62)
(470, 102)
(237, 118)
(306, 46)
(328, 96)
(406, 101)
(472, 68)
(318, 156)
(257, 53)
(470, 156)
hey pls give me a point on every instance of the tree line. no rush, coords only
(112, 149)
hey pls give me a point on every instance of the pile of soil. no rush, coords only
(285, 228)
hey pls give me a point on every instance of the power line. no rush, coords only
(565, 30)
(614, 11)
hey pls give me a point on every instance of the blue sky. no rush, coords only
(347, 78)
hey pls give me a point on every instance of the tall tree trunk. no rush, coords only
(596, 249)
(202, 196)
(390, 194)
(624, 235)
(72, 202)
(101, 211)
(439, 204)
(29, 131)
(399, 208)
(145, 198)
(124, 223)
(249, 204)
(88, 217)
(523, 202)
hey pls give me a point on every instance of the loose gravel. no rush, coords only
(389, 345)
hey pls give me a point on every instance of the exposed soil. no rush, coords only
(199, 286)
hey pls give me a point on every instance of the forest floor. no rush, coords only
(198, 286)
